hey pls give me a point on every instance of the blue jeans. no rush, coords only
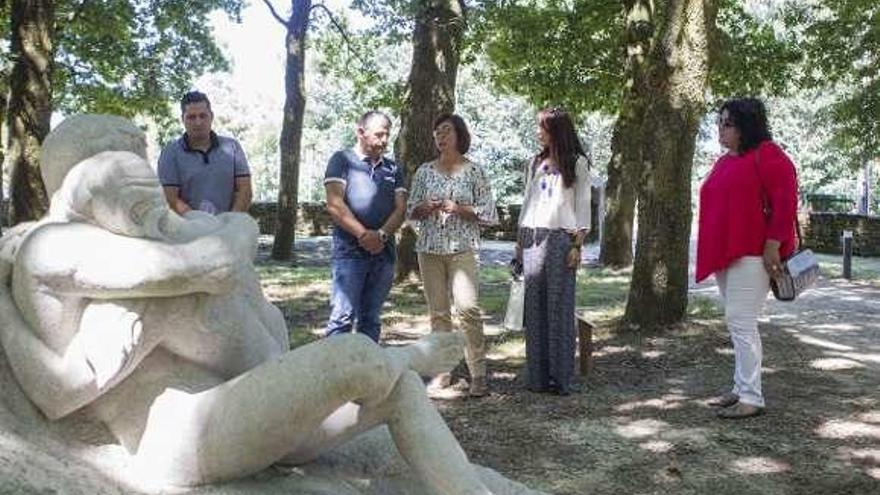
(360, 287)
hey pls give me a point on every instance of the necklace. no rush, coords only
(547, 185)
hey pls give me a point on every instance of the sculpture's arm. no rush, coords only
(58, 385)
(79, 259)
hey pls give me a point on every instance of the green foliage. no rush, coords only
(556, 52)
(130, 56)
(842, 42)
(573, 52)
(753, 54)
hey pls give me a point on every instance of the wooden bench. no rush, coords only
(585, 342)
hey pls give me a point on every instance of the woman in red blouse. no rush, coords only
(748, 208)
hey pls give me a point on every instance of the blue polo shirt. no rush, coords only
(370, 191)
(206, 178)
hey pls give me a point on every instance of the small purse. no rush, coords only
(799, 270)
(513, 318)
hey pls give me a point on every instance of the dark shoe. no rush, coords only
(740, 411)
(479, 387)
(725, 400)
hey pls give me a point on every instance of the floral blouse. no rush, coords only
(442, 233)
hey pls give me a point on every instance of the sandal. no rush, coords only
(740, 411)
(725, 400)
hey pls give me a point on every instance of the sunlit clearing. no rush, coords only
(827, 344)
(834, 364)
(871, 358)
(847, 429)
(504, 375)
(724, 351)
(656, 446)
(664, 403)
(652, 354)
(870, 417)
(760, 465)
(612, 349)
(836, 327)
(640, 428)
(869, 457)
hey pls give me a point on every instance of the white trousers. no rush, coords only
(744, 286)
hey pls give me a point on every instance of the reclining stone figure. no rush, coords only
(115, 307)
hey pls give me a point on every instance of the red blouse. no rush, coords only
(733, 223)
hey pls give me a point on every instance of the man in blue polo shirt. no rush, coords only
(366, 198)
(201, 170)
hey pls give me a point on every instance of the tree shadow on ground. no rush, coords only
(642, 424)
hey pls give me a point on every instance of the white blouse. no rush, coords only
(548, 204)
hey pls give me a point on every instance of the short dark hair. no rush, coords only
(193, 97)
(463, 136)
(373, 114)
(749, 116)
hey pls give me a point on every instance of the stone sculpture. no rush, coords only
(115, 308)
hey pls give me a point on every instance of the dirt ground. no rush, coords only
(641, 423)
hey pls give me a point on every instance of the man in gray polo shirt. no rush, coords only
(201, 170)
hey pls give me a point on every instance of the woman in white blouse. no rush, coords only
(450, 200)
(554, 221)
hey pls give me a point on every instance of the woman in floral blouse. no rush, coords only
(450, 200)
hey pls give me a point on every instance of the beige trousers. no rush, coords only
(451, 279)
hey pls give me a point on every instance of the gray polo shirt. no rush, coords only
(206, 178)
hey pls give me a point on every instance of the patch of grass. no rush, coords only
(863, 269)
(704, 308)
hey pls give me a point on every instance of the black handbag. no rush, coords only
(800, 269)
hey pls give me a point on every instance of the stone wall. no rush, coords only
(313, 219)
(822, 232)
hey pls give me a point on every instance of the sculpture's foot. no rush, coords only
(431, 355)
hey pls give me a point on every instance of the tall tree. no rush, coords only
(5, 67)
(842, 42)
(297, 29)
(675, 84)
(297, 26)
(30, 103)
(430, 90)
(625, 165)
(125, 57)
(588, 56)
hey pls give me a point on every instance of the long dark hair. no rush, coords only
(564, 147)
(749, 116)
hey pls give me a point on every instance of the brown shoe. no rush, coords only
(479, 387)
(740, 411)
(724, 400)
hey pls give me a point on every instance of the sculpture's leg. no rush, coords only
(301, 400)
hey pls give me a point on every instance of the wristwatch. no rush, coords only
(382, 235)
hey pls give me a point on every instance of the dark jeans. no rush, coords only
(360, 287)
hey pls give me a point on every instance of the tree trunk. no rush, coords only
(291, 129)
(4, 102)
(677, 77)
(30, 104)
(439, 28)
(625, 165)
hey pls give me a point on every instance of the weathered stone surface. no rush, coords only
(139, 355)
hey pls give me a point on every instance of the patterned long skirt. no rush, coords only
(548, 315)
